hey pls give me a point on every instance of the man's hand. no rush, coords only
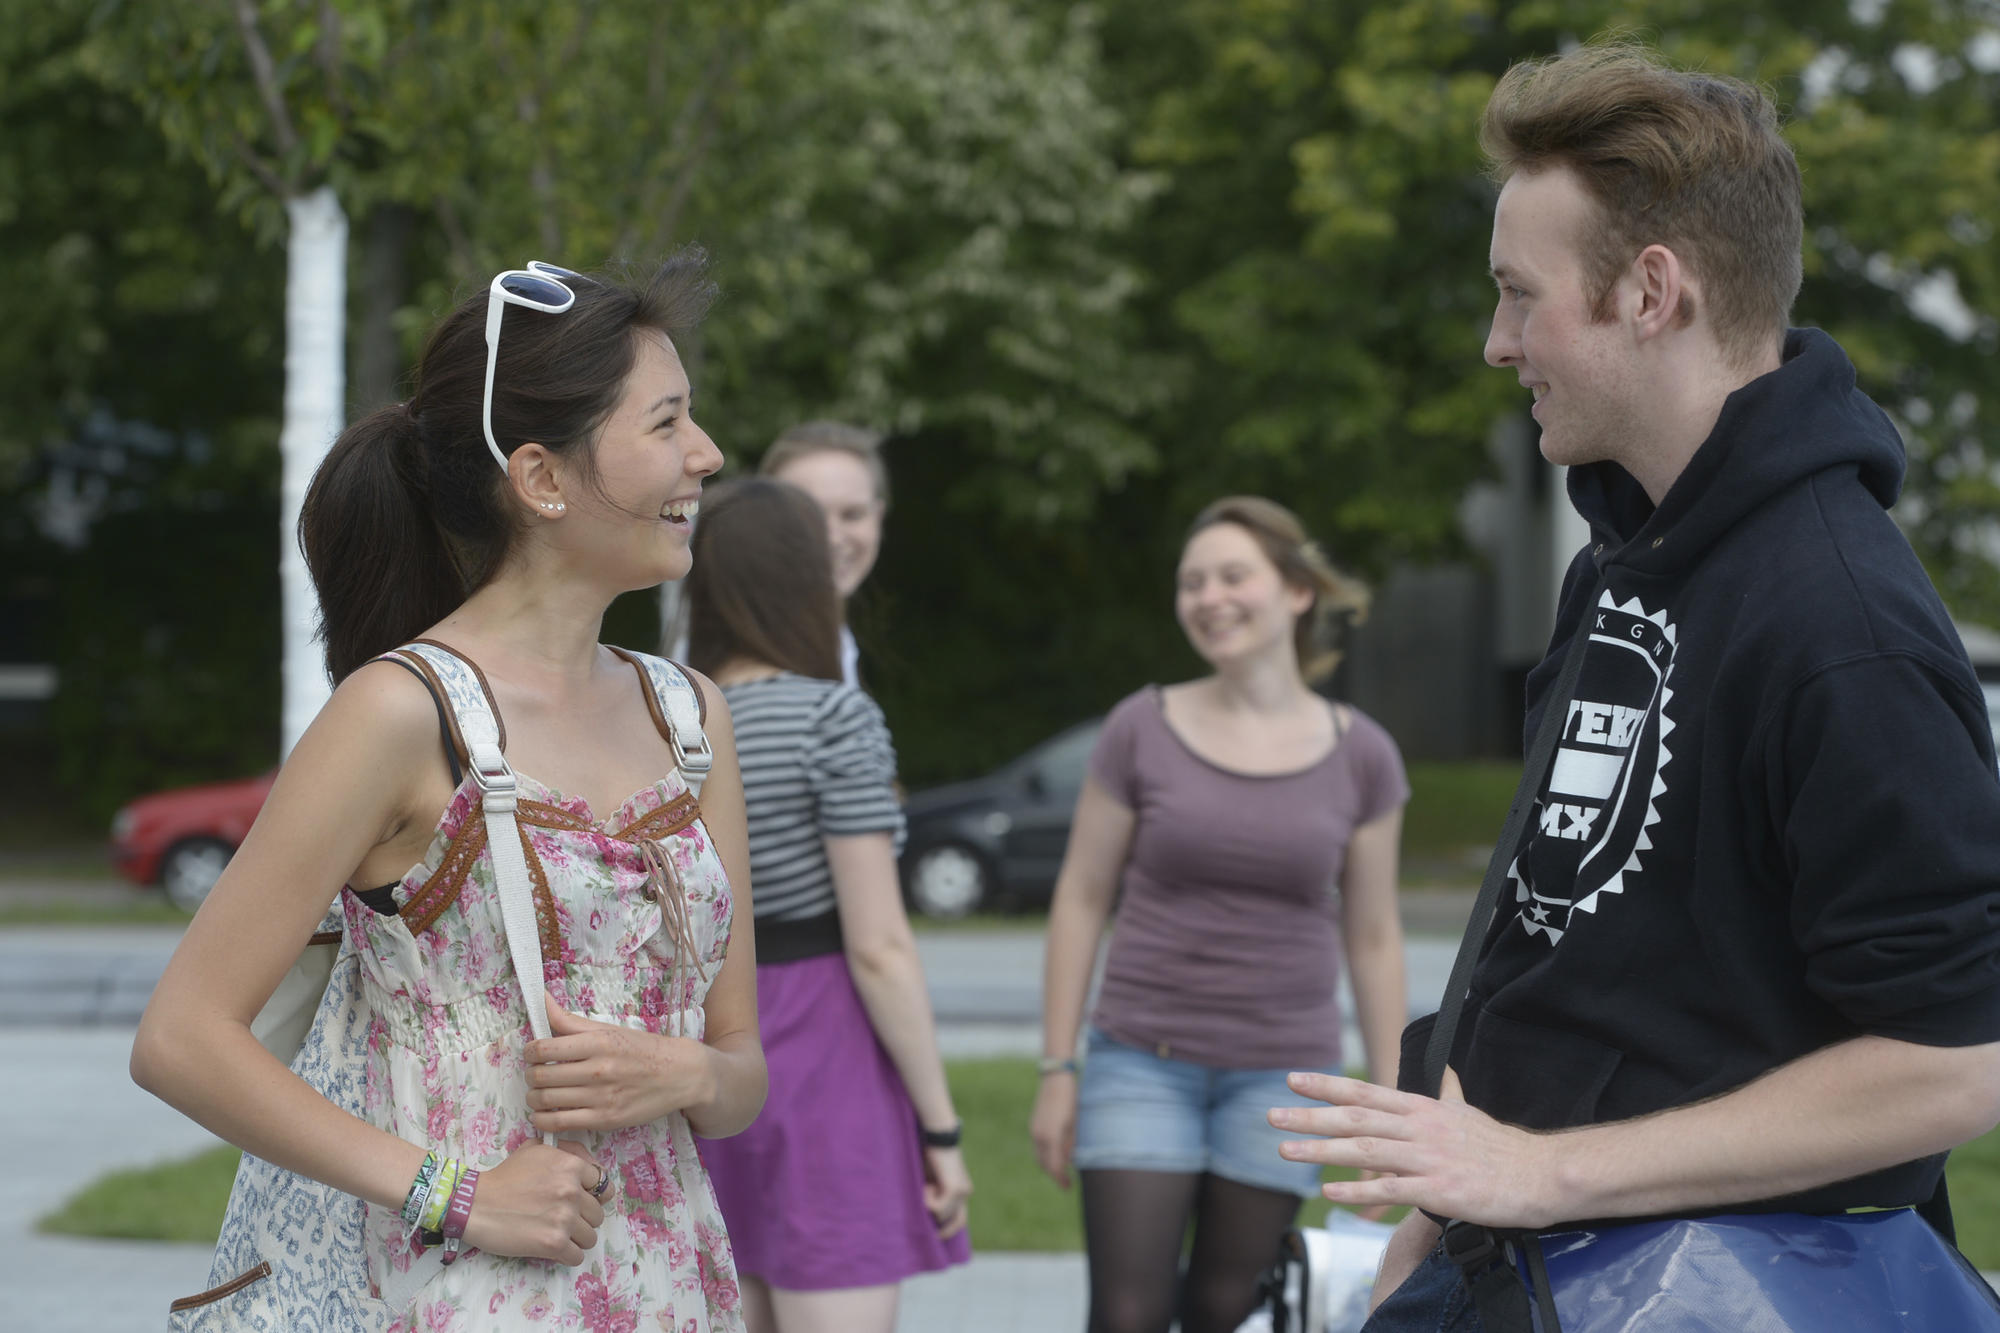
(1443, 1156)
(599, 1076)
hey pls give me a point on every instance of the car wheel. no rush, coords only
(190, 868)
(948, 881)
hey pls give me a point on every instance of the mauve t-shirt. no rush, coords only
(1226, 949)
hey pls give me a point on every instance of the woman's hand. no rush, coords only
(537, 1204)
(947, 1188)
(600, 1076)
(1053, 1125)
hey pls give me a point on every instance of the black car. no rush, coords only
(996, 840)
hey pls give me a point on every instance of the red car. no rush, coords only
(182, 839)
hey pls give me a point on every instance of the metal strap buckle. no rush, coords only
(697, 761)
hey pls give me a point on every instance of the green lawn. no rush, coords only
(1453, 818)
(1015, 1206)
(180, 1200)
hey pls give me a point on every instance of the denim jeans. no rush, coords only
(1433, 1299)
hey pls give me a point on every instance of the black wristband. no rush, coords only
(942, 1138)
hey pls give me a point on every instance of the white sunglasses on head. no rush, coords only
(539, 286)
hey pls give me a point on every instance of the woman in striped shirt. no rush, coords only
(851, 1179)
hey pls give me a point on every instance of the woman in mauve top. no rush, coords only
(1246, 828)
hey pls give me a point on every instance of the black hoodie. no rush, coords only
(1773, 821)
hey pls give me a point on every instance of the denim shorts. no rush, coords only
(1138, 1110)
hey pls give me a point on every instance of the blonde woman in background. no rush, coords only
(1251, 826)
(840, 467)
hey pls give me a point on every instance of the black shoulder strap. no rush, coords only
(1438, 1053)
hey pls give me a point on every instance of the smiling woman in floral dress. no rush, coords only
(533, 476)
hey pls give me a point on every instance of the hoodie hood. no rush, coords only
(1799, 420)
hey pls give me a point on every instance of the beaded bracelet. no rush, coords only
(420, 1188)
(448, 1177)
(458, 1213)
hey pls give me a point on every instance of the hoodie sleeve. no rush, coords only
(1881, 775)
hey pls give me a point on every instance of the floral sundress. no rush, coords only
(634, 913)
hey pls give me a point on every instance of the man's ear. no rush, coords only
(1661, 291)
(533, 475)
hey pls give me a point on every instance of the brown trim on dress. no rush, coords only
(492, 704)
(676, 815)
(436, 895)
(548, 923)
(324, 937)
(441, 890)
(229, 1288)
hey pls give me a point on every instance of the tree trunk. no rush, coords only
(385, 283)
(315, 382)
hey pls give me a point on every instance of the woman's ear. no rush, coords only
(532, 472)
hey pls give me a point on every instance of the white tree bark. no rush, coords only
(315, 394)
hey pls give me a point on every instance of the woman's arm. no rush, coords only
(882, 958)
(1371, 928)
(1100, 838)
(889, 976)
(350, 785)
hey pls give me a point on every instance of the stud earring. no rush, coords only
(556, 507)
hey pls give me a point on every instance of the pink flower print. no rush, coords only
(438, 1121)
(720, 912)
(499, 997)
(677, 1250)
(644, 1179)
(652, 1002)
(538, 1306)
(519, 1135)
(709, 1239)
(438, 1316)
(598, 1314)
(499, 1299)
(482, 1132)
(646, 1227)
(597, 918)
(716, 1284)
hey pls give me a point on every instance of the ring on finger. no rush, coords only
(603, 1180)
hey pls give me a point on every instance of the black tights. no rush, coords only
(1134, 1223)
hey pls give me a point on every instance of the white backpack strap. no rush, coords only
(479, 726)
(677, 709)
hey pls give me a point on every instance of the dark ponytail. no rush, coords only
(381, 566)
(408, 515)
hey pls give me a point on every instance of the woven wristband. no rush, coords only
(447, 1180)
(458, 1213)
(420, 1188)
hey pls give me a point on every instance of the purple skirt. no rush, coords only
(825, 1190)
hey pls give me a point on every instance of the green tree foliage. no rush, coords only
(1093, 265)
(132, 303)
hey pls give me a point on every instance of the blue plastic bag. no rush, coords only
(1765, 1273)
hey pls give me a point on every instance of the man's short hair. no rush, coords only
(1691, 161)
(814, 437)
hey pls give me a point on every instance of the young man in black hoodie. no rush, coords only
(1751, 956)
